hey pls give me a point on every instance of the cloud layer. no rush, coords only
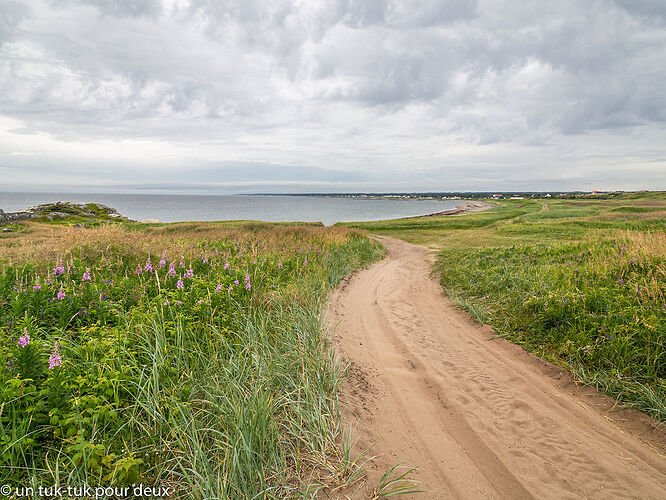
(333, 95)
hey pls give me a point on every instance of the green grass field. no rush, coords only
(190, 356)
(577, 281)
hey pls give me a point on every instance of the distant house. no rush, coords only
(497, 196)
(517, 198)
(547, 195)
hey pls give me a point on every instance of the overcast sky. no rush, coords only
(336, 95)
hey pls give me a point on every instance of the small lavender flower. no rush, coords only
(235, 282)
(162, 262)
(148, 267)
(86, 276)
(200, 301)
(280, 265)
(180, 284)
(61, 295)
(226, 265)
(218, 288)
(139, 269)
(172, 271)
(189, 273)
(36, 287)
(248, 286)
(231, 287)
(182, 264)
(204, 260)
(179, 303)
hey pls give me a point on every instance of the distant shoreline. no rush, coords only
(467, 207)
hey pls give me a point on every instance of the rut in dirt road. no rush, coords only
(477, 415)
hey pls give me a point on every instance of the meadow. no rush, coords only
(580, 282)
(188, 356)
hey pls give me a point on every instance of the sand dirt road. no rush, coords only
(477, 415)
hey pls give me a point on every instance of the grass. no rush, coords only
(215, 380)
(580, 282)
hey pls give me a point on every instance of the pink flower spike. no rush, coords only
(201, 301)
(226, 265)
(139, 269)
(37, 287)
(86, 276)
(179, 303)
(182, 265)
(149, 266)
(61, 295)
(54, 358)
(180, 284)
(24, 339)
(189, 273)
(230, 288)
(218, 288)
(162, 262)
(172, 271)
(166, 302)
(248, 286)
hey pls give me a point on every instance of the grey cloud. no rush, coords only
(346, 85)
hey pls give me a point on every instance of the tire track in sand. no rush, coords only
(477, 415)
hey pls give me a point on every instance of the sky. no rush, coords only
(239, 96)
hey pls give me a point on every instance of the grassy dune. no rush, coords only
(580, 282)
(188, 356)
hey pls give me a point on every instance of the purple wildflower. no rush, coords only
(218, 288)
(149, 266)
(54, 358)
(231, 287)
(235, 282)
(139, 269)
(201, 301)
(182, 264)
(189, 273)
(61, 295)
(180, 285)
(162, 262)
(86, 276)
(58, 270)
(204, 260)
(226, 265)
(24, 339)
(179, 303)
(172, 271)
(36, 287)
(248, 286)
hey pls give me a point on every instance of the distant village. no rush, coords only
(472, 195)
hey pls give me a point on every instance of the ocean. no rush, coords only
(175, 208)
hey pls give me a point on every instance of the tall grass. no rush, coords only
(597, 307)
(213, 389)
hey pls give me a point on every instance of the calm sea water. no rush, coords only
(174, 208)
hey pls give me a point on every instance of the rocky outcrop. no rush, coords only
(63, 210)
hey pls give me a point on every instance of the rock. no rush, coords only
(63, 209)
